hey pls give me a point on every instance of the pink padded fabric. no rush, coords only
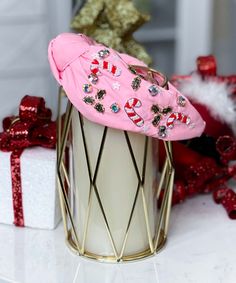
(73, 57)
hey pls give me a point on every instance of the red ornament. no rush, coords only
(206, 66)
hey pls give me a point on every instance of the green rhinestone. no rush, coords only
(155, 108)
(89, 100)
(132, 70)
(87, 88)
(99, 107)
(166, 110)
(100, 94)
(156, 120)
(136, 83)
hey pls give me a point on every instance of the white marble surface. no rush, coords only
(201, 249)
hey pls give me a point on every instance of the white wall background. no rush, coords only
(224, 35)
(194, 22)
(26, 27)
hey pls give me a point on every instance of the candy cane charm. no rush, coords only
(177, 117)
(94, 67)
(105, 65)
(111, 68)
(129, 109)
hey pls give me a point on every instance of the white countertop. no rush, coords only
(200, 249)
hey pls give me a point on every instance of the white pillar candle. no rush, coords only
(117, 183)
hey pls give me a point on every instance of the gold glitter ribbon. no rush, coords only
(112, 23)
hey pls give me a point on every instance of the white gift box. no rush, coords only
(39, 194)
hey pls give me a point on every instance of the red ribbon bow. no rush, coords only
(33, 127)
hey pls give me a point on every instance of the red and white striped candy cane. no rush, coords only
(94, 67)
(177, 117)
(129, 109)
(105, 65)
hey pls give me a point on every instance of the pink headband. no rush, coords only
(101, 85)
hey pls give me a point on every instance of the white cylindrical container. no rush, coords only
(109, 187)
(117, 186)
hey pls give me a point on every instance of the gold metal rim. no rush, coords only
(112, 259)
(151, 73)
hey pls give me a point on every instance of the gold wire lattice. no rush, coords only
(77, 244)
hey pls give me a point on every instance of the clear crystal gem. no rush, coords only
(93, 78)
(162, 131)
(153, 89)
(87, 88)
(103, 53)
(181, 101)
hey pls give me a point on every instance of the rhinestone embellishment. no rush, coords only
(155, 108)
(87, 88)
(100, 94)
(115, 108)
(132, 70)
(93, 78)
(89, 100)
(181, 101)
(156, 120)
(166, 110)
(153, 90)
(103, 53)
(162, 131)
(136, 83)
(99, 107)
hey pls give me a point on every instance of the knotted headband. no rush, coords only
(107, 89)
